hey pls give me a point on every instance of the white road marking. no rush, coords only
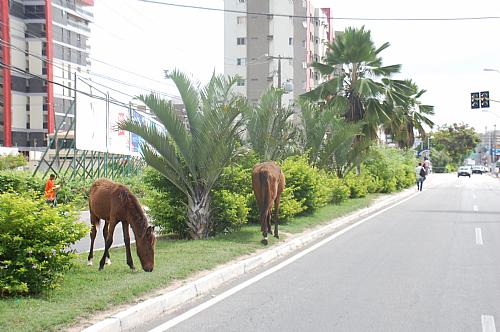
(479, 237)
(475, 208)
(488, 323)
(205, 305)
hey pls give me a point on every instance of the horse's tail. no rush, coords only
(264, 187)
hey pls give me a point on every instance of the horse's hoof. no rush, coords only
(108, 261)
(277, 236)
(101, 268)
(90, 263)
(264, 242)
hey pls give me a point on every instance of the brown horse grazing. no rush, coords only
(114, 202)
(268, 183)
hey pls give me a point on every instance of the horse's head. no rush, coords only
(146, 249)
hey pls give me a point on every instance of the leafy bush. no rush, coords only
(305, 182)
(229, 210)
(392, 169)
(166, 203)
(33, 243)
(20, 182)
(358, 186)
(12, 161)
(339, 191)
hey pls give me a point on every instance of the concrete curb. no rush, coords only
(153, 308)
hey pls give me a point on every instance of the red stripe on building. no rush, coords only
(7, 98)
(50, 67)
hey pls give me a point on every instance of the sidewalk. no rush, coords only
(150, 309)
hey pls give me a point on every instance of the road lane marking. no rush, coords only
(475, 208)
(488, 323)
(205, 305)
(479, 237)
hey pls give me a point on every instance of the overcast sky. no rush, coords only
(446, 58)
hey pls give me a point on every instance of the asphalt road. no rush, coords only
(84, 244)
(430, 263)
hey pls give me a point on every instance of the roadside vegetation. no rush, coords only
(197, 185)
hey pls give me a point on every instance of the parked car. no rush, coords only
(464, 171)
(478, 169)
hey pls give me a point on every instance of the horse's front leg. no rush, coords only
(93, 231)
(109, 241)
(126, 239)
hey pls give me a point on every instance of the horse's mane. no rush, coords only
(133, 206)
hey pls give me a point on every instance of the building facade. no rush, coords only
(273, 43)
(43, 43)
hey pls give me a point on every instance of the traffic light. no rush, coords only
(474, 100)
(485, 99)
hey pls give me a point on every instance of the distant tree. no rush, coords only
(12, 161)
(408, 115)
(457, 140)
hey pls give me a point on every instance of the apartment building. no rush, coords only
(43, 43)
(272, 43)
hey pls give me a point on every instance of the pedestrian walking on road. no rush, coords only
(420, 176)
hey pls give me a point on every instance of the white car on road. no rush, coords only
(464, 171)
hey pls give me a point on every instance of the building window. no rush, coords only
(240, 41)
(241, 61)
(241, 1)
(241, 82)
(241, 19)
(290, 40)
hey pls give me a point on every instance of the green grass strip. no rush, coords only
(85, 290)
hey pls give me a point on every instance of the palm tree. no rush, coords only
(328, 138)
(192, 155)
(269, 127)
(408, 115)
(357, 81)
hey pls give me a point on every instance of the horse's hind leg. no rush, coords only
(263, 227)
(276, 215)
(268, 222)
(94, 221)
(109, 241)
(105, 231)
(126, 239)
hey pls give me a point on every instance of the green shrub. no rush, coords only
(12, 161)
(392, 168)
(339, 190)
(229, 210)
(305, 183)
(358, 186)
(166, 203)
(20, 182)
(34, 240)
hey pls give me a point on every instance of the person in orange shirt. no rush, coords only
(51, 191)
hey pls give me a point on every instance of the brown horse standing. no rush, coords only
(268, 183)
(114, 202)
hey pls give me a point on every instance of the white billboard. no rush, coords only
(97, 118)
(118, 140)
(91, 118)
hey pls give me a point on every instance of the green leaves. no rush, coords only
(192, 153)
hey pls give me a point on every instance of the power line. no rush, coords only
(93, 59)
(44, 59)
(319, 17)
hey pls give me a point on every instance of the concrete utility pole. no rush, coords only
(495, 149)
(279, 58)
